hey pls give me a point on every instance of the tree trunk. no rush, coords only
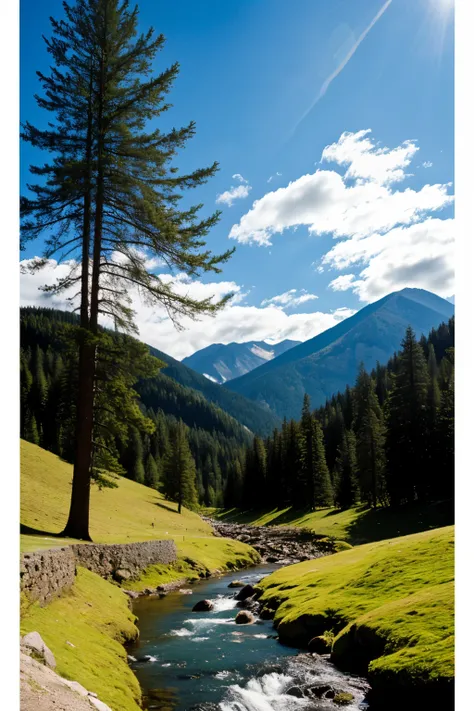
(78, 520)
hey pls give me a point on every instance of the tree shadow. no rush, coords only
(379, 524)
(29, 531)
(164, 506)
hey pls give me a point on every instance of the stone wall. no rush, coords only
(124, 561)
(46, 574)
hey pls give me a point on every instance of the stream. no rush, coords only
(203, 661)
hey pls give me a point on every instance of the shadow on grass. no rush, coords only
(27, 530)
(368, 525)
(164, 506)
(379, 524)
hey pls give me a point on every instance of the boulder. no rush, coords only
(132, 594)
(236, 584)
(343, 698)
(244, 617)
(121, 574)
(203, 606)
(267, 613)
(245, 592)
(249, 604)
(322, 690)
(270, 669)
(34, 644)
(295, 691)
(100, 706)
(319, 645)
(75, 686)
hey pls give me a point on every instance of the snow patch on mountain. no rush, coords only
(262, 353)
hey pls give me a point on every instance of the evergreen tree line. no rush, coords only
(143, 447)
(387, 441)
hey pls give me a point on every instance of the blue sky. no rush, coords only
(250, 70)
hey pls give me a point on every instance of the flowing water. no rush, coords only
(202, 660)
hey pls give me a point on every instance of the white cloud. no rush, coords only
(327, 202)
(235, 192)
(343, 282)
(289, 299)
(366, 161)
(388, 231)
(427, 164)
(237, 322)
(240, 178)
(420, 255)
(277, 175)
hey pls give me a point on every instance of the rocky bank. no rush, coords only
(282, 545)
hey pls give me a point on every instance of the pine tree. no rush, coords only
(151, 472)
(407, 433)
(347, 486)
(321, 487)
(293, 466)
(370, 439)
(305, 484)
(109, 197)
(31, 430)
(179, 471)
(259, 485)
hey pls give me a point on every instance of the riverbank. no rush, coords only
(283, 545)
(356, 526)
(88, 624)
(190, 660)
(387, 610)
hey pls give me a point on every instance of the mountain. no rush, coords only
(257, 419)
(327, 363)
(177, 389)
(221, 363)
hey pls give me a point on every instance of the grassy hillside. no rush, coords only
(355, 526)
(390, 605)
(129, 513)
(85, 629)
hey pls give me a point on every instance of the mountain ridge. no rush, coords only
(222, 362)
(328, 362)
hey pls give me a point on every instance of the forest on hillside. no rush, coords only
(48, 371)
(387, 440)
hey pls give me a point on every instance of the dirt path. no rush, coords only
(41, 689)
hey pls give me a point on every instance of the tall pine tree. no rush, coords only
(109, 198)
(179, 470)
(407, 425)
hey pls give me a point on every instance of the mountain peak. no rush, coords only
(225, 362)
(328, 362)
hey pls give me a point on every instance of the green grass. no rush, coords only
(198, 557)
(129, 513)
(390, 603)
(94, 616)
(356, 526)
